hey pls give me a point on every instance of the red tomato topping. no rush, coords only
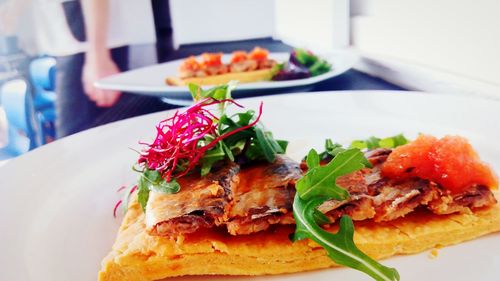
(190, 64)
(239, 56)
(258, 53)
(450, 162)
(211, 59)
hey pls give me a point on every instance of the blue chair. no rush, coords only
(17, 103)
(42, 73)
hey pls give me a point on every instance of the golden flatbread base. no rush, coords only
(241, 77)
(138, 256)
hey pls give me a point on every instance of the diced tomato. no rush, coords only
(258, 53)
(190, 64)
(211, 59)
(451, 162)
(239, 56)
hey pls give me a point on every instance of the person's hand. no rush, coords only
(97, 67)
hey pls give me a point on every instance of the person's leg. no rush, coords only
(129, 104)
(75, 112)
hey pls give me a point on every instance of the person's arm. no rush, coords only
(98, 62)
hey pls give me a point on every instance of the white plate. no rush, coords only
(151, 79)
(56, 222)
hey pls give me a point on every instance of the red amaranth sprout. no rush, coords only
(176, 149)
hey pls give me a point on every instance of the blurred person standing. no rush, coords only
(90, 40)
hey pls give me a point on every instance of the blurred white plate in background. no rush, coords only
(150, 80)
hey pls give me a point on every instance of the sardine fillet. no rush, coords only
(138, 256)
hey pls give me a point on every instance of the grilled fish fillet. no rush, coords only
(201, 203)
(250, 199)
(245, 200)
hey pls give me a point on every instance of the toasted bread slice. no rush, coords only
(138, 256)
(242, 77)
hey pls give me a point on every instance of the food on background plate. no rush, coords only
(245, 67)
(218, 195)
(210, 70)
(302, 64)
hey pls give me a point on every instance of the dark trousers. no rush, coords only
(76, 112)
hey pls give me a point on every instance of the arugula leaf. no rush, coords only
(257, 143)
(321, 218)
(393, 142)
(151, 176)
(319, 67)
(304, 57)
(221, 92)
(265, 146)
(374, 142)
(277, 67)
(195, 91)
(142, 192)
(218, 92)
(331, 149)
(359, 144)
(166, 187)
(283, 144)
(314, 64)
(253, 152)
(317, 186)
(152, 180)
(321, 180)
(211, 157)
(339, 246)
(227, 151)
(237, 147)
(268, 145)
(227, 124)
(245, 117)
(312, 159)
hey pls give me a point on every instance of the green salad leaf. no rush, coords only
(152, 180)
(269, 146)
(315, 64)
(339, 246)
(255, 143)
(374, 142)
(218, 92)
(321, 180)
(318, 186)
(331, 149)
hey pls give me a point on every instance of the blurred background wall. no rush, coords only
(459, 37)
(196, 21)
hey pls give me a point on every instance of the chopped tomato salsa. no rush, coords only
(258, 54)
(451, 162)
(239, 56)
(190, 64)
(211, 59)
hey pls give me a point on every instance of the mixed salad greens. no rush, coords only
(302, 64)
(196, 140)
